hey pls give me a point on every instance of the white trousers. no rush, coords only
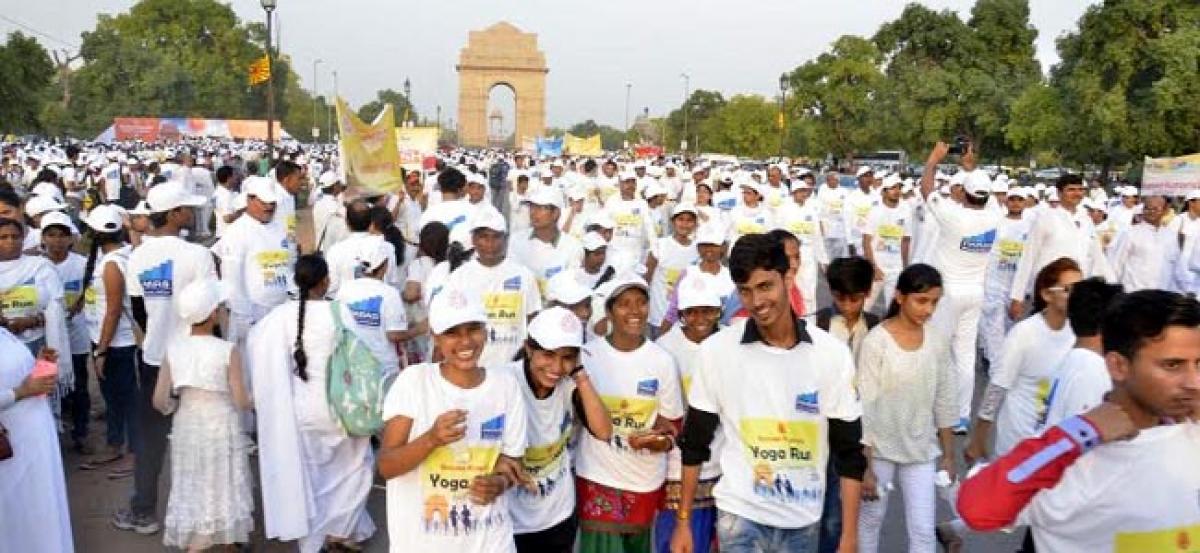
(957, 318)
(835, 246)
(806, 281)
(920, 504)
(882, 289)
(994, 324)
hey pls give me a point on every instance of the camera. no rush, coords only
(960, 145)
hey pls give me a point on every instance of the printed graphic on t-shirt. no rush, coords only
(366, 312)
(890, 237)
(71, 292)
(751, 226)
(1184, 539)
(834, 206)
(1043, 398)
(272, 265)
(803, 228)
(783, 457)
(446, 477)
(671, 277)
(1010, 254)
(629, 224)
(20, 300)
(544, 463)
(157, 281)
(860, 215)
(629, 416)
(979, 243)
(544, 280)
(504, 315)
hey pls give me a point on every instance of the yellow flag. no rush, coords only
(260, 70)
(590, 146)
(370, 157)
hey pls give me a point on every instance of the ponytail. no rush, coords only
(93, 253)
(298, 355)
(456, 255)
(311, 271)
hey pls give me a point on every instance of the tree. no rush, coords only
(610, 137)
(25, 74)
(999, 72)
(745, 125)
(1036, 124)
(400, 105)
(700, 106)
(835, 93)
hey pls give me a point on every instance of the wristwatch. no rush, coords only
(99, 353)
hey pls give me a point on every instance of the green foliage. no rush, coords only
(400, 106)
(700, 107)
(610, 138)
(744, 126)
(25, 74)
(835, 94)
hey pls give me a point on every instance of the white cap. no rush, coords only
(892, 180)
(555, 328)
(710, 234)
(592, 241)
(170, 195)
(373, 252)
(38, 205)
(602, 219)
(262, 188)
(1039, 186)
(958, 178)
(328, 179)
(487, 217)
(546, 196)
(565, 289)
(619, 285)
(197, 301)
(977, 183)
(941, 176)
(104, 218)
(475, 178)
(863, 170)
(801, 184)
(142, 208)
(47, 189)
(626, 175)
(683, 207)
(1130, 191)
(694, 292)
(1000, 186)
(59, 218)
(653, 188)
(1192, 195)
(452, 307)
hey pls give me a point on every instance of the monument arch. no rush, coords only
(501, 55)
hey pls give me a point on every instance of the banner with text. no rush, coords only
(370, 157)
(415, 144)
(577, 146)
(1171, 176)
(547, 146)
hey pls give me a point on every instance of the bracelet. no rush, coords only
(682, 515)
(99, 353)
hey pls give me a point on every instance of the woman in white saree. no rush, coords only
(315, 478)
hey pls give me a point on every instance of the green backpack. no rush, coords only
(355, 382)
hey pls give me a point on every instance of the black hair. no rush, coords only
(434, 241)
(783, 236)
(98, 239)
(224, 174)
(1048, 276)
(311, 269)
(1089, 300)
(914, 279)
(47, 175)
(1136, 318)
(850, 275)
(9, 197)
(457, 254)
(756, 251)
(451, 180)
(382, 220)
(158, 179)
(10, 222)
(589, 166)
(1067, 180)
(158, 219)
(358, 216)
(285, 169)
(975, 201)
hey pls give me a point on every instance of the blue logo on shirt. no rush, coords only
(808, 403)
(72, 286)
(492, 429)
(553, 271)
(980, 243)
(461, 218)
(513, 283)
(366, 312)
(157, 281)
(727, 204)
(648, 387)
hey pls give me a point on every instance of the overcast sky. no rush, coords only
(592, 48)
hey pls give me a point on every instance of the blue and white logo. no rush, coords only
(366, 312)
(461, 218)
(513, 283)
(492, 429)
(808, 403)
(980, 243)
(648, 387)
(157, 281)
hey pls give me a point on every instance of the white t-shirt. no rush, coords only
(550, 422)
(371, 309)
(545, 259)
(222, 207)
(1136, 496)
(257, 263)
(804, 222)
(633, 234)
(745, 220)
(832, 200)
(28, 284)
(856, 213)
(964, 241)
(343, 261)
(510, 295)
(285, 210)
(95, 301)
(428, 508)
(776, 424)
(636, 387)
(70, 271)
(888, 227)
(157, 268)
(1032, 353)
(673, 258)
(451, 213)
(1005, 255)
(687, 357)
(1082, 381)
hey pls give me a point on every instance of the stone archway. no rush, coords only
(501, 55)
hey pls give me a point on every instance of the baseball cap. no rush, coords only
(627, 175)
(452, 307)
(47, 189)
(104, 218)
(373, 252)
(261, 188)
(891, 180)
(614, 288)
(801, 184)
(977, 183)
(142, 208)
(1192, 195)
(555, 328)
(170, 195)
(653, 189)
(1000, 186)
(1130, 191)
(695, 292)
(328, 179)
(475, 178)
(546, 196)
(38, 205)
(710, 234)
(197, 301)
(563, 288)
(684, 207)
(864, 170)
(575, 193)
(602, 219)
(487, 217)
(592, 241)
(58, 218)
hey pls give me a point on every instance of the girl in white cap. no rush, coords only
(558, 394)
(201, 382)
(454, 438)
(58, 237)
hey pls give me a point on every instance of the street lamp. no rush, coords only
(333, 104)
(783, 85)
(316, 129)
(686, 96)
(628, 89)
(269, 7)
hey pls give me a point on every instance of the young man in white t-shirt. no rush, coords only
(373, 310)
(832, 198)
(545, 250)
(886, 242)
(163, 264)
(795, 410)
(1121, 477)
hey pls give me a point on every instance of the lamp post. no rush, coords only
(683, 144)
(628, 89)
(783, 84)
(316, 128)
(269, 7)
(407, 98)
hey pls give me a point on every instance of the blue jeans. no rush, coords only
(831, 514)
(120, 390)
(738, 535)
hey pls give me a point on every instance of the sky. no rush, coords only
(593, 49)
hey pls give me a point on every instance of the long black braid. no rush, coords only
(311, 270)
(98, 239)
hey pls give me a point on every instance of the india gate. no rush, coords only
(501, 55)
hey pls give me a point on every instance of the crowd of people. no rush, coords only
(601, 355)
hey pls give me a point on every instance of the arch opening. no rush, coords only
(501, 115)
